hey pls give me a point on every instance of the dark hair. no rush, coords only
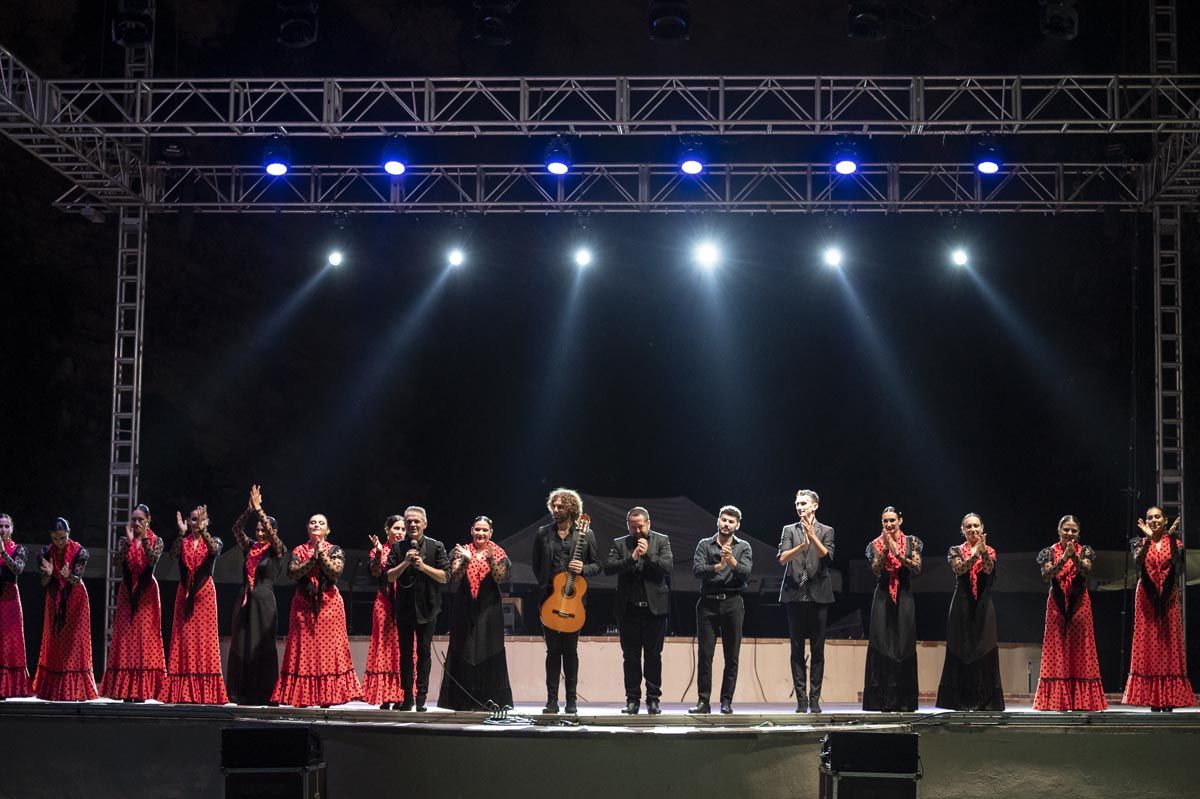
(892, 509)
(395, 517)
(144, 509)
(274, 523)
(638, 510)
(969, 515)
(487, 519)
(61, 525)
(1068, 518)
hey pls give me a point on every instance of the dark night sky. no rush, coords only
(387, 383)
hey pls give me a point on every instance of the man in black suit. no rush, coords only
(554, 552)
(642, 562)
(806, 554)
(419, 568)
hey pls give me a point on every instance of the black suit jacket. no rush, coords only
(653, 569)
(543, 555)
(423, 593)
(820, 586)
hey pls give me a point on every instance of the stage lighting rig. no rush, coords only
(558, 156)
(494, 22)
(133, 24)
(395, 156)
(693, 157)
(277, 157)
(298, 23)
(670, 20)
(1059, 19)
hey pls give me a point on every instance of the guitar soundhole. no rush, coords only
(569, 591)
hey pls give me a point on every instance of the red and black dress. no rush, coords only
(890, 682)
(971, 672)
(253, 658)
(1070, 675)
(381, 682)
(135, 668)
(194, 659)
(64, 671)
(14, 669)
(1158, 664)
(476, 675)
(316, 668)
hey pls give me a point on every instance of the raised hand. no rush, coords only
(256, 497)
(641, 549)
(374, 539)
(180, 523)
(1145, 528)
(129, 532)
(1174, 526)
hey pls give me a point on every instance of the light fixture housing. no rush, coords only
(277, 157)
(394, 156)
(693, 157)
(558, 156)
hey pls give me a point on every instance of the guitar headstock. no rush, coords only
(585, 523)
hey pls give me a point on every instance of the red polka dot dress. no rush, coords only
(381, 682)
(64, 671)
(135, 668)
(14, 671)
(316, 667)
(194, 658)
(1070, 674)
(1157, 665)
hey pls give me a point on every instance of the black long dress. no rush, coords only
(253, 667)
(890, 683)
(476, 666)
(971, 673)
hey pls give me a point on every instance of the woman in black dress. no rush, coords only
(476, 675)
(971, 674)
(253, 658)
(891, 673)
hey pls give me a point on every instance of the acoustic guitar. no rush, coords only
(563, 609)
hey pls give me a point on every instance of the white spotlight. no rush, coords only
(833, 256)
(707, 255)
(959, 257)
(335, 258)
(583, 256)
(455, 257)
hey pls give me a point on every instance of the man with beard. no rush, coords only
(722, 565)
(553, 553)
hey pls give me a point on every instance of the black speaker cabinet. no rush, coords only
(272, 763)
(270, 747)
(891, 752)
(869, 765)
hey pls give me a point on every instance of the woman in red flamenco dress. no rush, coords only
(135, 669)
(64, 671)
(316, 668)
(194, 660)
(381, 682)
(14, 671)
(1158, 664)
(1070, 675)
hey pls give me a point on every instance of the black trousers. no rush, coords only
(718, 617)
(642, 635)
(405, 629)
(806, 621)
(562, 654)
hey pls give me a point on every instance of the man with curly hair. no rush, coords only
(553, 553)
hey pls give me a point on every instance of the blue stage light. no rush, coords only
(558, 156)
(395, 156)
(277, 157)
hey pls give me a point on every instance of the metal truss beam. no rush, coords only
(653, 188)
(128, 324)
(935, 105)
(101, 165)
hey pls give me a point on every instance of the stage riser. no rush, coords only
(600, 676)
(181, 758)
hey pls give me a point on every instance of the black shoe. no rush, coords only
(631, 707)
(801, 705)
(408, 704)
(385, 706)
(571, 708)
(421, 703)
(814, 705)
(551, 706)
(652, 707)
(701, 707)
(726, 708)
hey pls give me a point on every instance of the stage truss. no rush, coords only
(98, 134)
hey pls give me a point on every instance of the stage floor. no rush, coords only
(761, 750)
